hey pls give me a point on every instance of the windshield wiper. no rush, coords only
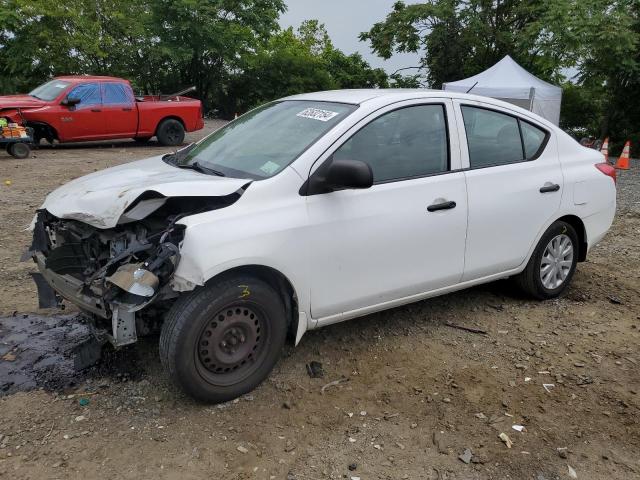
(198, 167)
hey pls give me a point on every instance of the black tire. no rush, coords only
(19, 150)
(530, 280)
(231, 363)
(170, 132)
(141, 139)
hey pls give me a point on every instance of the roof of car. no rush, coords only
(357, 97)
(84, 78)
(392, 95)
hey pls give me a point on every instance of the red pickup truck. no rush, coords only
(83, 108)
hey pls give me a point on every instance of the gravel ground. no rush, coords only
(417, 399)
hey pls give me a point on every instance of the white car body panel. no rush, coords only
(349, 253)
(100, 198)
(506, 207)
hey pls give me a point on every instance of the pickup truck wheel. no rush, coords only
(170, 132)
(221, 341)
(553, 263)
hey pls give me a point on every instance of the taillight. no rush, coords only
(608, 170)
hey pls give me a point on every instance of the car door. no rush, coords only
(84, 120)
(514, 185)
(119, 110)
(403, 236)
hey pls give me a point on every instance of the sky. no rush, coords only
(344, 20)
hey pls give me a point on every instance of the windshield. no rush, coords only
(50, 90)
(266, 140)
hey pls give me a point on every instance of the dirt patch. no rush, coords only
(39, 352)
(418, 393)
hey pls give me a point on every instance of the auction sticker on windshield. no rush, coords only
(270, 167)
(317, 114)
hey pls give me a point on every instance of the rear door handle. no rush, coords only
(96, 110)
(550, 188)
(441, 206)
(127, 109)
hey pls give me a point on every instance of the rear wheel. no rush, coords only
(19, 150)
(553, 263)
(221, 341)
(170, 132)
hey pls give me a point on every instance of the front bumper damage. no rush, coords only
(110, 275)
(110, 242)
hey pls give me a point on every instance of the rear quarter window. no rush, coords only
(533, 139)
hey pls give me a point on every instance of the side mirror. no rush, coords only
(337, 175)
(349, 174)
(70, 101)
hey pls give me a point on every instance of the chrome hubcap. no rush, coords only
(557, 261)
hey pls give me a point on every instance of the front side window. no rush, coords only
(406, 143)
(116, 94)
(493, 138)
(88, 94)
(50, 90)
(266, 140)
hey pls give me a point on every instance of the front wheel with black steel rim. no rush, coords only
(553, 263)
(221, 341)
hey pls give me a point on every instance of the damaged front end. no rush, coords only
(115, 273)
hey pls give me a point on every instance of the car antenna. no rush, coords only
(472, 87)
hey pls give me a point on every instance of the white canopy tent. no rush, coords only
(508, 81)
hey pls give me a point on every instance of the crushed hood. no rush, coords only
(99, 199)
(20, 101)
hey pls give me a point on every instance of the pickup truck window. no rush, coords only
(50, 90)
(266, 140)
(88, 93)
(116, 94)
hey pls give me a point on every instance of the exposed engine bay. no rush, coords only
(114, 273)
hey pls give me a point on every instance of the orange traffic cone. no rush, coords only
(605, 149)
(623, 161)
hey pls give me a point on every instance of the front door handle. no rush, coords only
(441, 206)
(547, 188)
(96, 110)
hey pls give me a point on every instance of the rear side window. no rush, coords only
(116, 94)
(533, 139)
(493, 138)
(88, 93)
(406, 143)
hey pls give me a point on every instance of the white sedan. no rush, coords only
(315, 209)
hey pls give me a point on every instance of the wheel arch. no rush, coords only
(281, 283)
(44, 127)
(170, 117)
(578, 225)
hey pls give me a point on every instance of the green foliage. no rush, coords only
(161, 45)
(292, 62)
(232, 50)
(601, 38)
